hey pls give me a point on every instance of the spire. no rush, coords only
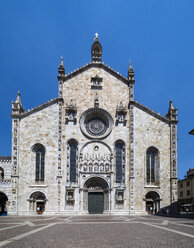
(96, 50)
(172, 112)
(130, 73)
(61, 69)
(170, 105)
(18, 99)
(17, 108)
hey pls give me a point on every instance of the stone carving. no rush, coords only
(70, 196)
(90, 163)
(120, 196)
(71, 113)
(96, 123)
(121, 113)
(96, 83)
(96, 101)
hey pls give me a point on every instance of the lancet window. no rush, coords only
(39, 150)
(152, 165)
(73, 153)
(120, 160)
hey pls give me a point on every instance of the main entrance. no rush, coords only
(96, 195)
(95, 202)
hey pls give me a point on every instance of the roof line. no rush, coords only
(98, 65)
(151, 112)
(42, 106)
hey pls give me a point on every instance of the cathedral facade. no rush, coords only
(91, 150)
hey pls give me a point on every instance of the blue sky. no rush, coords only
(158, 37)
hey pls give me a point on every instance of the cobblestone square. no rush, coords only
(95, 231)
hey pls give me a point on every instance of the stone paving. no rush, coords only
(95, 231)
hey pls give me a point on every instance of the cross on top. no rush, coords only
(96, 34)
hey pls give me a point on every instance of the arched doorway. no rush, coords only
(96, 191)
(152, 202)
(37, 202)
(3, 201)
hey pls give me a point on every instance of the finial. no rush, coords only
(61, 60)
(130, 72)
(19, 92)
(61, 69)
(130, 66)
(170, 104)
(96, 50)
(96, 36)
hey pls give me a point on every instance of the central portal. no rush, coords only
(95, 202)
(96, 195)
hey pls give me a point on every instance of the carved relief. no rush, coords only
(93, 163)
(71, 113)
(96, 83)
(121, 113)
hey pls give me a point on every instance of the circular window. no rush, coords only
(96, 123)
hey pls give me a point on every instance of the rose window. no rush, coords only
(96, 123)
(96, 126)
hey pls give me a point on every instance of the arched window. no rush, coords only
(152, 165)
(40, 162)
(1, 174)
(73, 145)
(120, 160)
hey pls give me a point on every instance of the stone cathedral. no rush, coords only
(91, 150)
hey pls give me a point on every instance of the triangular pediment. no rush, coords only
(96, 65)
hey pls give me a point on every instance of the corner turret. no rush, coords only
(17, 108)
(61, 76)
(131, 79)
(172, 112)
(61, 69)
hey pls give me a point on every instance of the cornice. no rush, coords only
(5, 158)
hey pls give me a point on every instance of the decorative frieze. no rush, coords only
(131, 133)
(91, 163)
(174, 151)
(15, 146)
(59, 175)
